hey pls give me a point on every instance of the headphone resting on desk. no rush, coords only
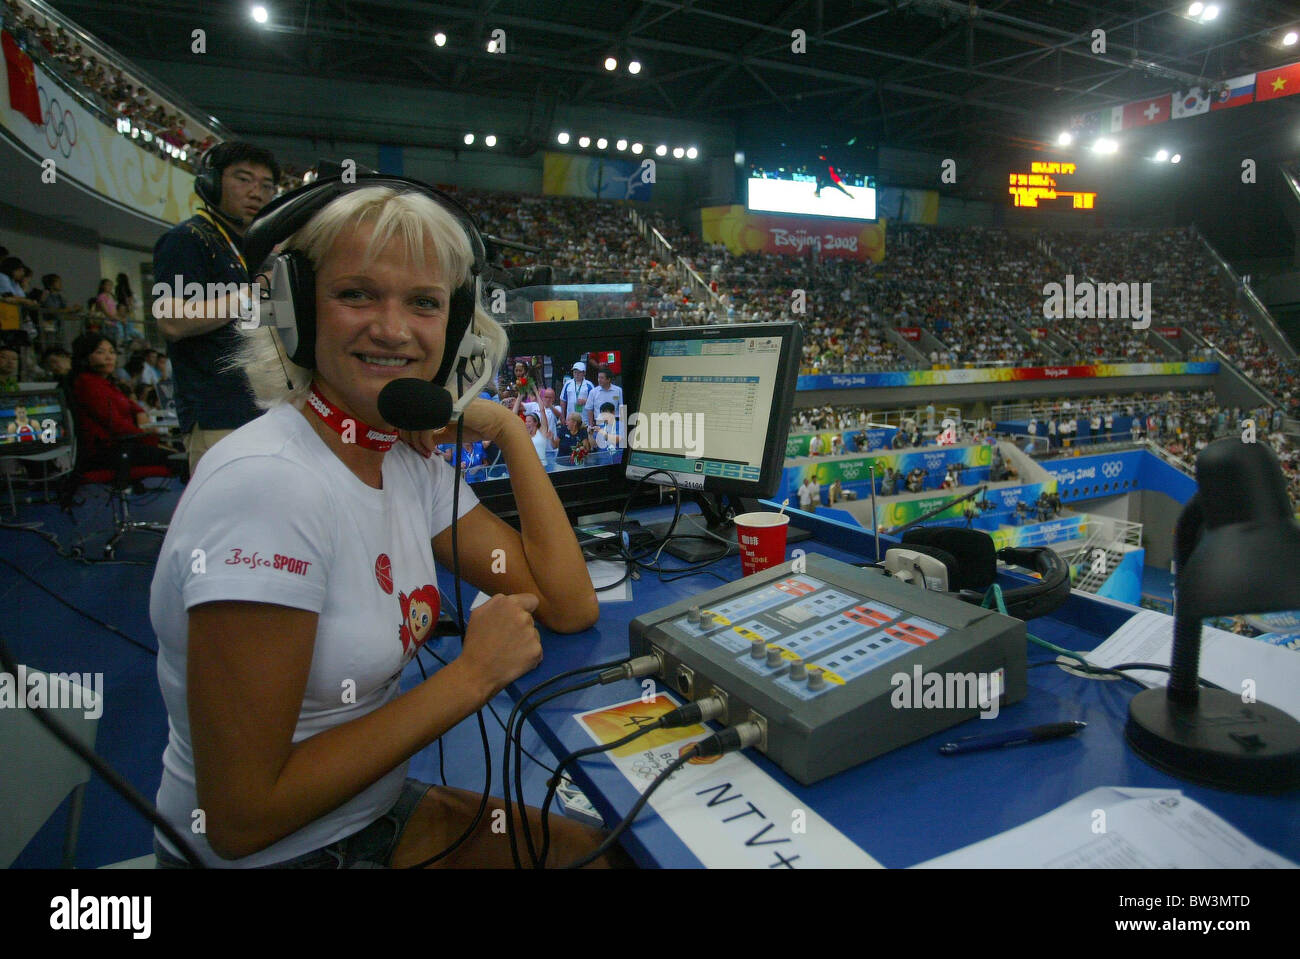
(971, 560)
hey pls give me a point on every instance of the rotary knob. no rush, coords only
(706, 619)
(693, 614)
(816, 678)
(773, 656)
(758, 648)
(798, 671)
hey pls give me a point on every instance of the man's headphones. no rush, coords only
(207, 180)
(971, 562)
(290, 303)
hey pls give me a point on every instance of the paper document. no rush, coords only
(601, 572)
(1119, 827)
(1226, 658)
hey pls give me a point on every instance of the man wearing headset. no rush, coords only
(298, 578)
(235, 180)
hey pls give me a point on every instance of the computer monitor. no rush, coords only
(546, 353)
(712, 416)
(32, 420)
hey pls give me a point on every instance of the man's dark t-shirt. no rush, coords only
(198, 252)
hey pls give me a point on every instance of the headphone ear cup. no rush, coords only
(975, 554)
(302, 293)
(460, 314)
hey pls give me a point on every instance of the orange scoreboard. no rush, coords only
(1027, 189)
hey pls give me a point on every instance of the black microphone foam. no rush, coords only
(414, 404)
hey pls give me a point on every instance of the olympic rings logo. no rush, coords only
(1112, 468)
(60, 124)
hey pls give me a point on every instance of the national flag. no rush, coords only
(1097, 123)
(23, 96)
(1191, 102)
(1143, 113)
(1235, 92)
(1282, 82)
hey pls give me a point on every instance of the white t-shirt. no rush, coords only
(598, 398)
(281, 520)
(541, 444)
(573, 398)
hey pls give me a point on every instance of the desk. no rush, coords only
(913, 804)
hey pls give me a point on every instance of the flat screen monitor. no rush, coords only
(542, 355)
(712, 417)
(714, 408)
(32, 420)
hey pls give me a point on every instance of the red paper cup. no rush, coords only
(762, 540)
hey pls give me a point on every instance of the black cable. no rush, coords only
(106, 772)
(519, 783)
(687, 754)
(510, 722)
(76, 609)
(460, 623)
(491, 709)
(570, 759)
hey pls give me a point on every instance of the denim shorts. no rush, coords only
(369, 848)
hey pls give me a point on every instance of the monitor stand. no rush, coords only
(718, 511)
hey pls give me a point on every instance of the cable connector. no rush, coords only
(740, 736)
(632, 669)
(700, 711)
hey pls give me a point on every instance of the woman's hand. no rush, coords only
(485, 422)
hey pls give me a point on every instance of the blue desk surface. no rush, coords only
(913, 804)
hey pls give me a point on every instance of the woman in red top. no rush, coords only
(108, 421)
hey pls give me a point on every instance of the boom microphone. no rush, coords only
(415, 404)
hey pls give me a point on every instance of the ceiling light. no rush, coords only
(1162, 156)
(611, 64)
(661, 150)
(637, 148)
(678, 153)
(584, 142)
(562, 136)
(1105, 145)
(1195, 9)
(1175, 158)
(1210, 12)
(621, 144)
(1065, 139)
(1290, 38)
(440, 38)
(602, 143)
(469, 139)
(259, 14)
(692, 153)
(490, 140)
(634, 67)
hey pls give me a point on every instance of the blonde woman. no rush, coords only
(298, 577)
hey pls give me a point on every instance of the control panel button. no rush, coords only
(773, 656)
(798, 671)
(758, 648)
(816, 678)
(693, 614)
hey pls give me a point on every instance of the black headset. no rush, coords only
(972, 562)
(291, 301)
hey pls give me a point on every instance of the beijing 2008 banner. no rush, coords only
(565, 174)
(854, 381)
(744, 232)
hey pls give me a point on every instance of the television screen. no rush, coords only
(818, 188)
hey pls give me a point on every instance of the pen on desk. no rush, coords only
(1014, 737)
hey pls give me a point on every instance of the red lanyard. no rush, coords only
(351, 429)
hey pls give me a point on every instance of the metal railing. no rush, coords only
(129, 70)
